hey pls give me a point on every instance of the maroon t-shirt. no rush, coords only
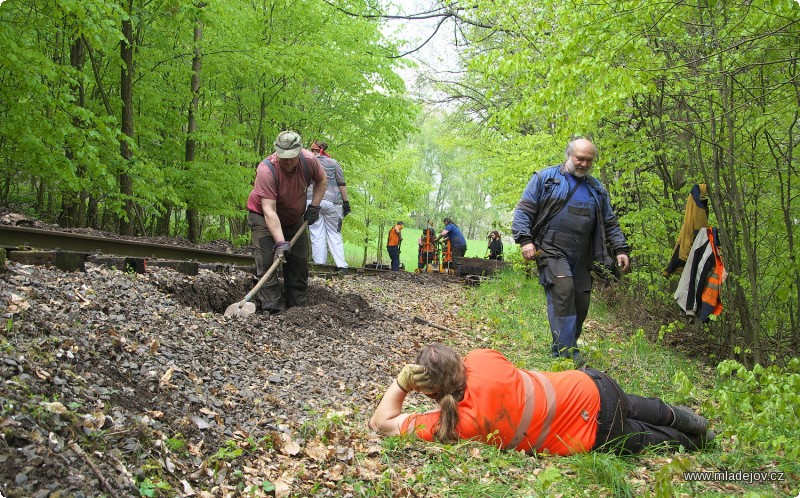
(290, 194)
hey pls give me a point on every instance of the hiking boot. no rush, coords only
(687, 421)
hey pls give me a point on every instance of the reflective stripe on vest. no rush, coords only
(527, 411)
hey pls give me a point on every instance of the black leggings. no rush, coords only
(628, 424)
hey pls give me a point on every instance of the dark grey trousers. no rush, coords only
(295, 270)
(628, 424)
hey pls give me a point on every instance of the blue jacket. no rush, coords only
(546, 195)
(455, 235)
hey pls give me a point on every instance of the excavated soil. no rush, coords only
(118, 384)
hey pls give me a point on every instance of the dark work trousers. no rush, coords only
(295, 269)
(458, 252)
(564, 271)
(628, 424)
(394, 255)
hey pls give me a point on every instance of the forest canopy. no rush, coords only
(150, 116)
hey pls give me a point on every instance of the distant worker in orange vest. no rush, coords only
(486, 398)
(393, 245)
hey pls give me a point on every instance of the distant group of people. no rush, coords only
(564, 221)
(451, 232)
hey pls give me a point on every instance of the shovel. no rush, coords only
(245, 307)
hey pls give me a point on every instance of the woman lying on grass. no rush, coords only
(484, 396)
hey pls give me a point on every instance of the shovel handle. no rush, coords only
(272, 268)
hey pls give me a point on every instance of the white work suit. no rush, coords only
(326, 233)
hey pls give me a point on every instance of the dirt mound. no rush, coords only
(206, 291)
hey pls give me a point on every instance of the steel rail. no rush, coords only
(14, 237)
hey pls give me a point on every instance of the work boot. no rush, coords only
(687, 421)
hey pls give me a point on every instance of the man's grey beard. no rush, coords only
(572, 170)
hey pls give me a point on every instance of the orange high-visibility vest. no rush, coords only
(536, 412)
(394, 237)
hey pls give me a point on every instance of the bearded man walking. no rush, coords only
(565, 222)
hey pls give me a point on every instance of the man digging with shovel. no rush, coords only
(276, 213)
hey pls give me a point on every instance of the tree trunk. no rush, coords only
(261, 145)
(40, 193)
(126, 92)
(91, 212)
(192, 214)
(237, 226)
(72, 203)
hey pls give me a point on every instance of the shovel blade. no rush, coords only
(240, 309)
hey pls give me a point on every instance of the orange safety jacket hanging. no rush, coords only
(711, 299)
(698, 292)
(694, 220)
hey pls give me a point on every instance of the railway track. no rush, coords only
(14, 237)
(70, 250)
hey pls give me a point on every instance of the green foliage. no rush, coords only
(666, 474)
(457, 178)
(150, 488)
(307, 66)
(323, 427)
(670, 328)
(230, 451)
(548, 477)
(760, 407)
(604, 470)
(673, 94)
(177, 443)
